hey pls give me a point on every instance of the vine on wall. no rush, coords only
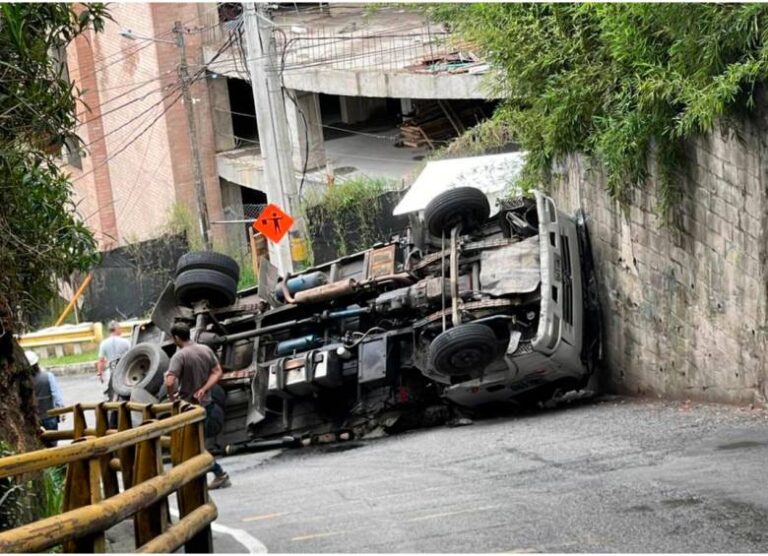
(617, 81)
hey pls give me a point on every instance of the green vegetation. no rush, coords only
(349, 210)
(25, 500)
(487, 137)
(617, 81)
(182, 221)
(248, 277)
(71, 359)
(40, 235)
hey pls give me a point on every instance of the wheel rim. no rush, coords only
(467, 358)
(137, 370)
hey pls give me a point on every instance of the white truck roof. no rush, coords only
(495, 175)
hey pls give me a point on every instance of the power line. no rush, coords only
(120, 150)
(174, 89)
(193, 79)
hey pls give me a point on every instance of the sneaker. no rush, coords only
(220, 481)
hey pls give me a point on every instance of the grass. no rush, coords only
(248, 278)
(71, 359)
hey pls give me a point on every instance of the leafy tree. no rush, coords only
(614, 81)
(40, 235)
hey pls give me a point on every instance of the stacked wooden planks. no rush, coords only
(433, 123)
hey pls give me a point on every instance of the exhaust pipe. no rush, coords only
(327, 292)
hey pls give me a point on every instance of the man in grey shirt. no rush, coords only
(110, 351)
(193, 371)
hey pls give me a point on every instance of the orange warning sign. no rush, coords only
(273, 223)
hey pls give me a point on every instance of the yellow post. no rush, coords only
(74, 299)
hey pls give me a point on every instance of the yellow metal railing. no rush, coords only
(85, 333)
(93, 499)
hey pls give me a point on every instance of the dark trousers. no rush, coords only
(214, 420)
(50, 424)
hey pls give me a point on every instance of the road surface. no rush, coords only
(618, 475)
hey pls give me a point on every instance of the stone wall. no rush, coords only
(684, 305)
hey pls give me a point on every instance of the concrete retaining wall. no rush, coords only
(684, 307)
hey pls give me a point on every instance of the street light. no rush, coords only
(128, 34)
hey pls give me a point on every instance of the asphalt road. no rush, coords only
(616, 475)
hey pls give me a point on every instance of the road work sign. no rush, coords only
(273, 223)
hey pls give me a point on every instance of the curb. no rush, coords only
(75, 369)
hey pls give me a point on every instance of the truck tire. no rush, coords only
(464, 350)
(142, 366)
(467, 206)
(208, 260)
(195, 285)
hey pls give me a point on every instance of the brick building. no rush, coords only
(136, 171)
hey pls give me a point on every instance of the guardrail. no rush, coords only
(70, 338)
(93, 500)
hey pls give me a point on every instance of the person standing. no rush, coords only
(47, 393)
(192, 373)
(110, 351)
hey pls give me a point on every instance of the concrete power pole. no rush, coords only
(202, 205)
(263, 67)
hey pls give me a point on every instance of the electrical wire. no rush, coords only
(194, 78)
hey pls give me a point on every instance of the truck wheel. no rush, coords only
(143, 366)
(208, 260)
(467, 206)
(466, 349)
(195, 285)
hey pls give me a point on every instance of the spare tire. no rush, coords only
(464, 350)
(208, 260)
(142, 366)
(195, 285)
(467, 206)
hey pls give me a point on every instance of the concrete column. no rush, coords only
(307, 104)
(224, 137)
(359, 109)
(406, 106)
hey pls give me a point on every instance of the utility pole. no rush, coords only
(202, 205)
(275, 144)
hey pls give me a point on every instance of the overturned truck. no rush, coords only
(461, 310)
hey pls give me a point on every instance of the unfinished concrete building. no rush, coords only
(366, 92)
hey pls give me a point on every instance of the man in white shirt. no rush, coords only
(110, 351)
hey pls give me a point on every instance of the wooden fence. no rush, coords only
(97, 498)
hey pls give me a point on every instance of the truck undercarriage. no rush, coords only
(460, 311)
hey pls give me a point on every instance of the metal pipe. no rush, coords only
(403, 277)
(476, 276)
(263, 330)
(327, 292)
(286, 293)
(442, 276)
(455, 277)
(347, 313)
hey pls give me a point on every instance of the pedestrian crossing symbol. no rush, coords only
(273, 223)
